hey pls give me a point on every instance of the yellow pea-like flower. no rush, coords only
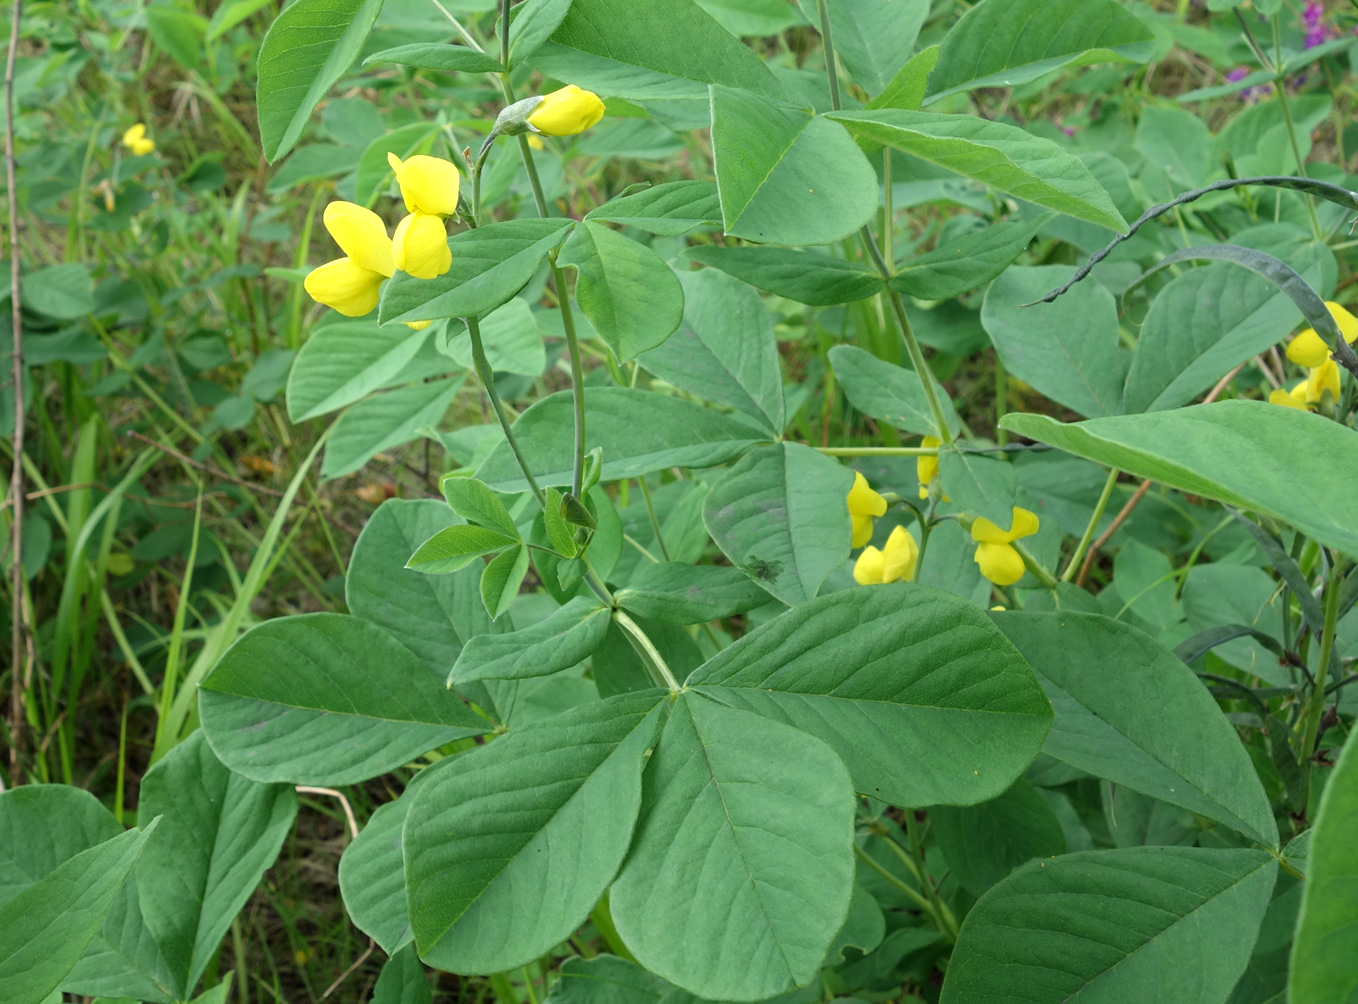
(1000, 562)
(566, 112)
(420, 246)
(428, 184)
(1323, 378)
(345, 286)
(926, 468)
(1309, 349)
(1294, 398)
(864, 505)
(893, 563)
(135, 140)
(351, 284)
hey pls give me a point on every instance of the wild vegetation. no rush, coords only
(622, 501)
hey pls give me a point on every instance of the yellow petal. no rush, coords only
(428, 184)
(862, 530)
(1308, 349)
(347, 287)
(1000, 563)
(1022, 524)
(566, 112)
(1285, 399)
(421, 246)
(133, 135)
(417, 325)
(863, 501)
(536, 142)
(926, 468)
(1348, 324)
(899, 556)
(868, 569)
(1025, 524)
(361, 235)
(1323, 378)
(142, 147)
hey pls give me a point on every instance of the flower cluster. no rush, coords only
(893, 563)
(136, 140)
(1000, 561)
(1309, 350)
(864, 505)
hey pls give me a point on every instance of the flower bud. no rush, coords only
(566, 112)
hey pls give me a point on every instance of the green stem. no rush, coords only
(503, 989)
(905, 889)
(1088, 537)
(577, 375)
(828, 42)
(1280, 85)
(603, 920)
(647, 650)
(504, 34)
(917, 849)
(1040, 573)
(487, 377)
(1316, 705)
(655, 523)
(1001, 400)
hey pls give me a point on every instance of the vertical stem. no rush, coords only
(828, 42)
(647, 650)
(1280, 86)
(1316, 705)
(655, 523)
(504, 34)
(1099, 507)
(487, 377)
(18, 626)
(577, 375)
(1001, 399)
(888, 223)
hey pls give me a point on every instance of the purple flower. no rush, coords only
(1317, 31)
(1238, 74)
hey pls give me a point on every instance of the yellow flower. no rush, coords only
(1323, 378)
(135, 140)
(351, 284)
(1000, 562)
(1309, 349)
(893, 563)
(1295, 398)
(926, 468)
(864, 504)
(535, 142)
(566, 112)
(428, 184)
(420, 246)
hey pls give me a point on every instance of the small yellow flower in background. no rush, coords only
(1295, 398)
(893, 563)
(999, 561)
(351, 284)
(428, 184)
(420, 246)
(1324, 377)
(1309, 349)
(566, 112)
(864, 504)
(135, 140)
(535, 142)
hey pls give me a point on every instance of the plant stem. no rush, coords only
(1316, 705)
(1280, 85)
(457, 26)
(1099, 507)
(504, 34)
(603, 920)
(1001, 400)
(917, 850)
(655, 523)
(647, 650)
(905, 889)
(828, 42)
(487, 377)
(1041, 574)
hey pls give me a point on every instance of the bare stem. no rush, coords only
(487, 377)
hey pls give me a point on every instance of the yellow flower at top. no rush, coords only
(428, 184)
(864, 504)
(566, 112)
(893, 563)
(1000, 562)
(1309, 349)
(135, 140)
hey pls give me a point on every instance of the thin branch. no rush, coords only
(19, 681)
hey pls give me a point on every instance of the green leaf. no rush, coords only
(968, 262)
(534, 23)
(432, 615)
(1003, 43)
(606, 979)
(725, 351)
(742, 868)
(786, 175)
(437, 56)
(980, 484)
(1321, 970)
(873, 38)
(509, 334)
(371, 875)
(560, 534)
(490, 265)
(752, 18)
(1067, 349)
(1243, 453)
(373, 167)
(384, 421)
(677, 593)
(1162, 925)
(897, 679)
(63, 292)
(781, 515)
(403, 980)
(669, 209)
(218, 834)
(890, 393)
(343, 362)
(565, 638)
(1003, 156)
(45, 928)
(676, 38)
(179, 33)
(326, 699)
(43, 826)
(476, 503)
(640, 432)
(506, 855)
(805, 276)
(907, 87)
(502, 578)
(1129, 711)
(457, 547)
(984, 843)
(309, 46)
(230, 14)
(632, 298)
